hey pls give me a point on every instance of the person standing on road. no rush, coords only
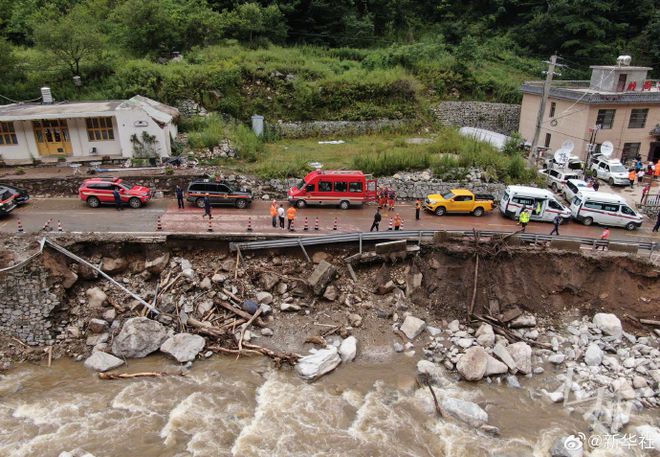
(657, 224)
(397, 222)
(640, 176)
(273, 213)
(376, 223)
(291, 216)
(280, 215)
(179, 196)
(556, 222)
(207, 207)
(604, 237)
(645, 193)
(391, 199)
(524, 218)
(418, 207)
(115, 194)
(632, 176)
(596, 185)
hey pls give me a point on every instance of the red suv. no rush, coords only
(98, 191)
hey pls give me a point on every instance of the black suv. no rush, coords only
(220, 193)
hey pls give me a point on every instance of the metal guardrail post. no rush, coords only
(360, 242)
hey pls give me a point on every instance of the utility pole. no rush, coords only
(544, 99)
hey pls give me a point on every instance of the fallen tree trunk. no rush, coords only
(146, 374)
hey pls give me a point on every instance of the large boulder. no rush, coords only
(157, 265)
(412, 326)
(321, 277)
(608, 324)
(102, 361)
(466, 411)
(472, 365)
(114, 265)
(495, 367)
(95, 297)
(318, 363)
(428, 368)
(138, 338)
(184, 347)
(348, 349)
(485, 335)
(521, 353)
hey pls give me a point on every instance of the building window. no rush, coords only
(638, 118)
(100, 129)
(547, 140)
(7, 134)
(605, 118)
(630, 151)
(553, 107)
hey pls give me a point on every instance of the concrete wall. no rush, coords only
(498, 117)
(136, 121)
(27, 301)
(573, 122)
(82, 146)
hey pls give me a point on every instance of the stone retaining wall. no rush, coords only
(499, 117)
(27, 300)
(335, 128)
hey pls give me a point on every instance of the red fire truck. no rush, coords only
(331, 187)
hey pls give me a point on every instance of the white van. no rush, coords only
(517, 197)
(604, 208)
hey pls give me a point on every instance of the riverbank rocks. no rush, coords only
(264, 298)
(412, 327)
(521, 353)
(495, 367)
(501, 352)
(472, 365)
(608, 324)
(485, 335)
(114, 265)
(348, 349)
(138, 338)
(593, 356)
(158, 264)
(321, 277)
(96, 298)
(465, 411)
(97, 326)
(184, 347)
(318, 363)
(102, 361)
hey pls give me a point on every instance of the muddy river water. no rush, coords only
(224, 407)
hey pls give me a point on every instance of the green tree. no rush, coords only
(71, 38)
(251, 20)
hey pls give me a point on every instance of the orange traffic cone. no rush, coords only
(334, 226)
(210, 227)
(390, 225)
(59, 226)
(159, 225)
(249, 227)
(401, 225)
(316, 224)
(306, 226)
(292, 228)
(20, 227)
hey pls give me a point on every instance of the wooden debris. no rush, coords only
(317, 340)
(650, 322)
(510, 314)
(145, 374)
(239, 312)
(240, 340)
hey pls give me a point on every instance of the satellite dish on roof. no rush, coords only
(562, 155)
(568, 146)
(607, 148)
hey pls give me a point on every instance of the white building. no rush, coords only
(83, 131)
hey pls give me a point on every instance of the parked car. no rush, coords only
(99, 191)
(458, 201)
(7, 200)
(342, 188)
(220, 193)
(517, 197)
(603, 208)
(572, 187)
(22, 195)
(610, 170)
(557, 178)
(574, 165)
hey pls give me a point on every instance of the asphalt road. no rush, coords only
(75, 216)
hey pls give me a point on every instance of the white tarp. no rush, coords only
(495, 139)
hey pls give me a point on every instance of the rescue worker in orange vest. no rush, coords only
(632, 177)
(656, 172)
(291, 216)
(418, 207)
(273, 213)
(397, 222)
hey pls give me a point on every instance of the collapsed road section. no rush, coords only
(586, 324)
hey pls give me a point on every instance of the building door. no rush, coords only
(52, 136)
(654, 151)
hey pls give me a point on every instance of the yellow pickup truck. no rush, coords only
(459, 201)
